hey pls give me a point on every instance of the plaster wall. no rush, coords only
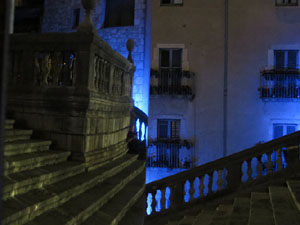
(255, 29)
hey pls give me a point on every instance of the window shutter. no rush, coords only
(164, 57)
(278, 131)
(290, 129)
(162, 129)
(279, 59)
(292, 59)
(175, 124)
(176, 58)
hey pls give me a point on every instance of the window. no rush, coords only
(170, 58)
(286, 2)
(171, 2)
(168, 129)
(75, 18)
(281, 129)
(119, 13)
(286, 59)
(169, 79)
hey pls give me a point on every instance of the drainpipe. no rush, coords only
(225, 107)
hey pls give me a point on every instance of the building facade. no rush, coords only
(227, 71)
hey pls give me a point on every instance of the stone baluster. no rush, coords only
(192, 189)
(220, 180)
(249, 169)
(279, 159)
(177, 194)
(259, 167)
(87, 25)
(210, 183)
(234, 175)
(153, 203)
(163, 199)
(130, 47)
(269, 163)
(201, 186)
(292, 158)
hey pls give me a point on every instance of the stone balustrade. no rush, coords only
(74, 89)
(226, 175)
(55, 60)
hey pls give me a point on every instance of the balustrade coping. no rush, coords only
(240, 157)
(75, 41)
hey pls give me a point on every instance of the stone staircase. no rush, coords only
(42, 187)
(277, 205)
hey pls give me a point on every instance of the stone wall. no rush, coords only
(117, 37)
(58, 15)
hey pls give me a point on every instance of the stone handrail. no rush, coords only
(223, 175)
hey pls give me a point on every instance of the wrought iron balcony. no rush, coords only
(170, 153)
(280, 84)
(171, 82)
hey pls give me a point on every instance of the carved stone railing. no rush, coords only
(73, 89)
(224, 176)
(137, 135)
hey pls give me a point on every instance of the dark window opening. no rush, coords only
(286, 2)
(75, 18)
(168, 129)
(286, 59)
(171, 2)
(281, 129)
(119, 13)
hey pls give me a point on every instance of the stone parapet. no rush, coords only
(73, 89)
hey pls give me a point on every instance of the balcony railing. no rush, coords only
(283, 84)
(171, 82)
(170, 154)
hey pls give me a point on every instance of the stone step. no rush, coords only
(25, 207)
(294, 188)
(115, 209)
(16, 134)
(205, 217)
(22, 182)
(9, 124)
(136, 214)
(284, 209)
(25, 146)
(81, 207)
(221, 215)
(260, 209)
(28, 161)
(187, 220)
(240, 211)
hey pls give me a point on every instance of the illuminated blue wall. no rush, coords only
(141, 34)
(56, 21)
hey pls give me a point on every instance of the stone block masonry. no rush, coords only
(117, 38)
